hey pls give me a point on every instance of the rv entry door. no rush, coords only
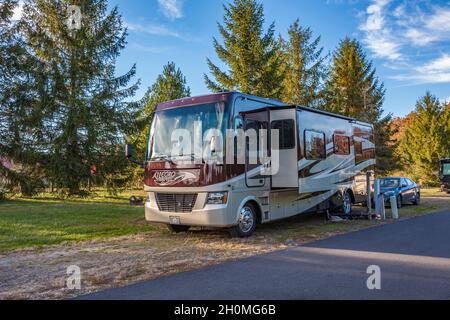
(256, 146)
(285, 172)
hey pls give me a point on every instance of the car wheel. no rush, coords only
(399, 202)
(416, 201)
(347, 204)
(178, 229)
(246, 223)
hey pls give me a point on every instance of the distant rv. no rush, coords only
(444, 174)
(322, 163)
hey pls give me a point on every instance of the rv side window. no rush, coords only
(341, 145)
(315, 145)
(286, 129)
(358, 147)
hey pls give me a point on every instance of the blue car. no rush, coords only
(405, 190)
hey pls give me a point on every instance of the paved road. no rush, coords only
(414, 257)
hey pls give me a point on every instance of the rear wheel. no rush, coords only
(247, 222)
(178, 229)
(399, 202)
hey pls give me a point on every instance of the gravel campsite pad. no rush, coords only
(41, 272)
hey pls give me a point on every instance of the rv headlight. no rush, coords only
(217, 198)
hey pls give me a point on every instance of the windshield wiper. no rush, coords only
(164, 157)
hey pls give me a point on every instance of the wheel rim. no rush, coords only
(347, 205)
(246, 219)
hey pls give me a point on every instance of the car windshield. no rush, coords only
(161, 146)
(390, 183)
(446, 169)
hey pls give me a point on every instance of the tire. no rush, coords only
(177, 229)
(416, 201)
(347, 204)
(399, 202)
(246, 223)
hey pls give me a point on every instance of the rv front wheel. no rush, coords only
(178, 229)
(246, 223)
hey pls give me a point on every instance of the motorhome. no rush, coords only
(444, 174)
(321, 162)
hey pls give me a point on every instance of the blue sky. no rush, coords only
(409, 41)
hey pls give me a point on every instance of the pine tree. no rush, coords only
(426, 139)
(352, 89)
(6, 12)
(253, 58)
(82, 110)
(305, 68)
(16, 113)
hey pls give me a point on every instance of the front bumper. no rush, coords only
(201, 216)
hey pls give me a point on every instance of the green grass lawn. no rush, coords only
(45, 221)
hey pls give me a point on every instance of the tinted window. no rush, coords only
(314, 145)
(358, 147)
(341, 145)
(287, 133)
(389, 183)
(446, 169)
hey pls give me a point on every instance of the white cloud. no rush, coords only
(378, 36)
(412, 37)
(172, 9)
(157, 30)
(149, 49)
(440, 20)
(420, 38)
(438, 65)
(434, 71)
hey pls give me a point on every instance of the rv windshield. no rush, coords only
(160, 146)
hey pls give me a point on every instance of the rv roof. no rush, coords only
(189, 101)
(224, 96)
(311, 110)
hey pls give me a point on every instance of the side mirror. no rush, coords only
(128, 151)
(129, 155)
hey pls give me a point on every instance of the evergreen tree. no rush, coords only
(305, 68)
(426, 139)
(253, 59)
(82, 113)
(16, 113)
(352, 89)
(6, 12)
